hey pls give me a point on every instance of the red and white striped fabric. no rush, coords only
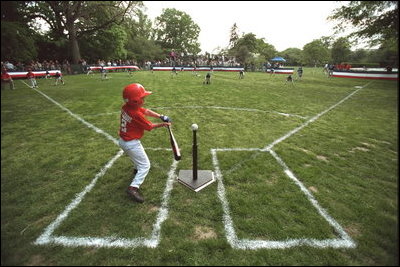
(113, 67)
(42, 73)
(178, 68)
(282, 71)
(366, 75)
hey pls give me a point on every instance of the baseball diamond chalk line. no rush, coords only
(47, 238)
(345, 241)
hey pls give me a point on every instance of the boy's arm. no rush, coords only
(154, 114)
(151, 113)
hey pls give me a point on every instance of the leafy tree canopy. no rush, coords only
(316, 53)
(176, 30)
(375, 21)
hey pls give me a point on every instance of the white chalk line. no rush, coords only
(110, 241)
(290, 133)
(27, 84)
(345, 241)
(47, 238)
(89, 125)
(214, 107)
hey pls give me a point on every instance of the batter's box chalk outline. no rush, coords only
(343, 241)
(152, 241)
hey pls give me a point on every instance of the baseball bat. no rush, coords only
(174, 145)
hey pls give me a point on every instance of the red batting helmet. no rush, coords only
(133, 94)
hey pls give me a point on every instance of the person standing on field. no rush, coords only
(31, 77)
(58, 78)
(132, 126)
(6, 78)
(241, 74)
(300, 72)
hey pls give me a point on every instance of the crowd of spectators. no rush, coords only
(66, 68)
(36, 65)
(202, 60)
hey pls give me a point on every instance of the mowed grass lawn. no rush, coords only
(339, 140)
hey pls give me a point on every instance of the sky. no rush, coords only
(283, 24)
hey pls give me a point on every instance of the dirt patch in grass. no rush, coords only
(323, 158)
(153, 209)
(313, 189)
(37, 260)
(203, 232)
(353, 230)
(272, 180)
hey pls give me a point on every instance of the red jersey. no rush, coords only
(133, 123)
(30, 74)
(5, 76)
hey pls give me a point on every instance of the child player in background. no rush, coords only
(31, 77)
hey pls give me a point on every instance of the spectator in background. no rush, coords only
(172, 56)
(9, 66)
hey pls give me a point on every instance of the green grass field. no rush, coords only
(305, 174)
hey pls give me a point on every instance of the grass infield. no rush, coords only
(296, 164)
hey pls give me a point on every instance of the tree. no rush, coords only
(108, 44)
(234, 36)
(340, 51)
(76, 19)
(250, 50)
(376, 21)
(17, 39)
(359, 56)
(176, 30)
(293, 56)
(243, 48)
(266, 50)
(315, 53)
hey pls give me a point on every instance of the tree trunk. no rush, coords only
(76, 54)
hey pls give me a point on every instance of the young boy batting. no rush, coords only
(132, 126)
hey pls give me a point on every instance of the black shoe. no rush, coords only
(135, 194)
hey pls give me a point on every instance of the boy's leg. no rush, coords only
(138, 156)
